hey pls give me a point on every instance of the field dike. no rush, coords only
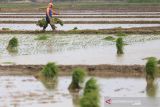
(135, 30)
(95, 70)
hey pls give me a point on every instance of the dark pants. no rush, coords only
(49, 22)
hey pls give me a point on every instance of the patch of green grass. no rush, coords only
(119, 45)
(50, 71)
(9, 63)
(42, 37)
(109, 38)
(5, 29)
(78, 77)
(121, 34)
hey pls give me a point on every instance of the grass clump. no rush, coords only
(148, 58)
(91, 86)
(42, 23)
(78, 77)
(121, 34)
(5, 29)
(42, 37)
(119, 45)
(75, 28)
(58, 21)
(12, 45)
(50, 70)
(91, 94)
(109, 38)
(151, 69)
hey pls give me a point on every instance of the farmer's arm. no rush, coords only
(48, 12)
(54, 11)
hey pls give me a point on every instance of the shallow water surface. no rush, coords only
(79, 49)
(84, 19)
(24, 91)
(66, 27)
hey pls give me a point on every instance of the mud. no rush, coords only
(136, 30)
(100, 70)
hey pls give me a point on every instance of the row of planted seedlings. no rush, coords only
(91, 95)
(13, 43)
(91, 90)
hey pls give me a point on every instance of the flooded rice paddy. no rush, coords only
(84, 19)
(24, 91)
(79, 49)
(75, 49)
(33, 27)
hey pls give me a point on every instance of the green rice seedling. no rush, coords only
(151, 70)
(90, 100)
(109, 38)
(58, 21)
(91, 96)
(12, 45)
(119, 45)
(42, 23)
(75, 28)
(91, 86)
(78, 77)
(50, 70)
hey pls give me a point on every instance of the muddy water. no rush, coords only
(84, 49)
(71, 26)
(24, 91)
(84, 19)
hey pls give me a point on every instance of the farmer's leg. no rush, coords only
(52, 26)
(44, 28)
(47, 22)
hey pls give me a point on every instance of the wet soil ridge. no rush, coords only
(88, 22)
(135, 30)
(137, 16)
(101, 70)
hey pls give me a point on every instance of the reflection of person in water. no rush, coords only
(49, 13)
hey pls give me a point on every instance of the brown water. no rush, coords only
(79, 49)
(27, 91)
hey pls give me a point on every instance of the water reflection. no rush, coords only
(12, 51)
(151, 89)
(49, 84)
(75, 98)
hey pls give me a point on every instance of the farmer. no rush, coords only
(49, 13)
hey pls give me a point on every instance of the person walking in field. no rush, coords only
(49, 13)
